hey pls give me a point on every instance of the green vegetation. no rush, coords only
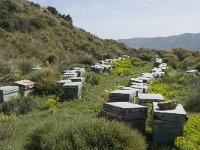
(67, 116)
(191, 137)
(85, 134)
(122, 67)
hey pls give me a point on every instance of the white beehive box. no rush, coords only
(122, 96)
(143, 87)
(7, 92)
(143, 99)
(132, 114)
(168, 124)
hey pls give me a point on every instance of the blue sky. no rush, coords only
(118, 19)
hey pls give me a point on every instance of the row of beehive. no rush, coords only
(167, 125)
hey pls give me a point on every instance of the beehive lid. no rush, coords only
(125, 109)
(9, 89)
(139, 86)
(122, 91)
(136, 80)
(72, 84)
(177, 114)
(25, 82)
(150, 96)
(63, 81)
(192, 71)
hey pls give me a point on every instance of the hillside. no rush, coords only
(187, 41)
(32, 35)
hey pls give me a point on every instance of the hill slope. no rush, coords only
(33, 35)
(188, 41)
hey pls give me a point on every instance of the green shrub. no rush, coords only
(168, 91)
(191, 136)
(46, 81)
(85, 134)
(197, 67)
(122, 67)
(190, 98)
(18, 105)
(136, 61)
(93, 79)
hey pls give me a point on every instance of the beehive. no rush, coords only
(143, 87)
(129, 113)
(143, 99)
(168, 124)
(122, 96)
(25, 87)
(72, 90)
(7, 92)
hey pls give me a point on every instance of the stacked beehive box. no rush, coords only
(132, 114)
(80, 71)
(143, 99)
(7, 92)
(144, 88)
(72, 90)
(168, 124)
(122, 95)
(97, 68)
(77, 79)
(70, 73)
(25, 87)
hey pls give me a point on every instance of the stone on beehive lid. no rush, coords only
(122, 96)
(7, 92)
(78, 79)
(168, 124)
(143, 87)
(132, 114)
(143, 99)
(72, 90)
(25, 86)
(62, 82)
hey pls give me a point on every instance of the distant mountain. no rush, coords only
(188, 41)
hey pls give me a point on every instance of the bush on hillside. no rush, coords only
(18, 105)
(191, 136)
(85, 134)
(93, 79)
(190, 98)
(46, 81)
(197, 67)
(122, 67)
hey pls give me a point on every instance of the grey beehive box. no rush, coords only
(144, 87)
(26, 87)
(78, 79)
(138, 91)
(72, 90)
(129, 113)
(7, 92)
(62, 82)
(80, 71)
(97, 68)
(143, 99)
(146, 79)
(122, 96)
(168, 124)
